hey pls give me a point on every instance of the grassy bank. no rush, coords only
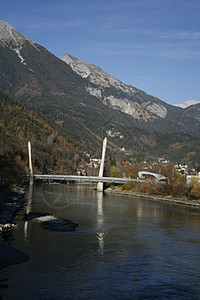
(169, 198)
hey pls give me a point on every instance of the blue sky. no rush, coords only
(153, 45)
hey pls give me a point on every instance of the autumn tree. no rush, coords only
(194, 188)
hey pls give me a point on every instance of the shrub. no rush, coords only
(114, 171)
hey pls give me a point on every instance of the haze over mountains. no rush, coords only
(88, 104)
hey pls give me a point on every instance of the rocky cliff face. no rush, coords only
(114, 93)
(9, 35)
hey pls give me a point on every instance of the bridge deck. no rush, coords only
(85, 178)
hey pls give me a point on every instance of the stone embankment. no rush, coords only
(183, 201)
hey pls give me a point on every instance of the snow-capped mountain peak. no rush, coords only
(187, 103)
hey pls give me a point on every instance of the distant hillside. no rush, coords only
(193, 111)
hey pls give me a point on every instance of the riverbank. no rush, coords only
(9, 206)
(184, 201)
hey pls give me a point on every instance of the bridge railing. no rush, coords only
(85, 178)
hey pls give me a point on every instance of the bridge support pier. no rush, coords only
(100, 184)
(100, 187)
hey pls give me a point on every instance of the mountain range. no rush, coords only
(89, 104)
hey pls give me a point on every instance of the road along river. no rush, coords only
(123, 248)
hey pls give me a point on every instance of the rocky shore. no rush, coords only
(194, 203)
(9, 206)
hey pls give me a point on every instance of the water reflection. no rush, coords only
(100, 221)
(28, 209)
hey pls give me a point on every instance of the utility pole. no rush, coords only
(100, 184)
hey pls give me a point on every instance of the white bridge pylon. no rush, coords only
(30, 164)
(100, 184)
